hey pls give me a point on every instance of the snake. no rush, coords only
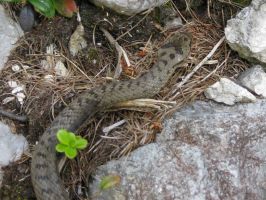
(45, 176)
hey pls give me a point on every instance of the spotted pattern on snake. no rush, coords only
(44, 174)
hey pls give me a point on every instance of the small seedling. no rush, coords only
(69, 143)
(110, 181)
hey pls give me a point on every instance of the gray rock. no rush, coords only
(128, 7)
(148, 167)
(10, 32)
(206, 151)
(173, 23)
(247, 31)
(12, 147)
(254, 79)
(27, 18)
(227, 92)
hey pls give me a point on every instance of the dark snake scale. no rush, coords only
(44, 174)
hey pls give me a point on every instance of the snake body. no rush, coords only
(44, 174)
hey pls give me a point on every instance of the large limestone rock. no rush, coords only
(128, 7)
(246, 32)
(206, 151)
(10, 32)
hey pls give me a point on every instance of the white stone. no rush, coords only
(246, 32)
(49, 78)
(255, 80)
(94, 61)
(45, 65)
(50, 61)
(12, 84)
(77, 41)
(17, 89)
(10, 32)
(227, 92)
(60, 69)
(15, 68)
(128, 7)
(51, 49)
(54, 63)
(12, 147)
(20, 96)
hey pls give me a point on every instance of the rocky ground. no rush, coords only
(205, 150)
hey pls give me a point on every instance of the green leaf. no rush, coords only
(81, 143)
(71, 152)
(65, 137)
(72, 143)
(60, 148)
(45, 7)
(109, 181)
(69, 143)
(13, 1)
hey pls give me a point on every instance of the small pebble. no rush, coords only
(27, 18)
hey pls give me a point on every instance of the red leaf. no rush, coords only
(66, 7)
(71, 5)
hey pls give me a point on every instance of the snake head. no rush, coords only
(177, 48)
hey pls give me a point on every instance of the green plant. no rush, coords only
(242, 2)
(48, 7)
(110, 181)
(69, 143)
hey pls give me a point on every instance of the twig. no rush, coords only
(21, 118)
(121, 52)
(179, 13)
(220, 65)
(62, 55)
(107, 129)
(208, 9)
(179, 85)
(94, 30)
(44, 54)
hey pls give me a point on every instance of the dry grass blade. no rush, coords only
(107, 129)
(144, 105)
